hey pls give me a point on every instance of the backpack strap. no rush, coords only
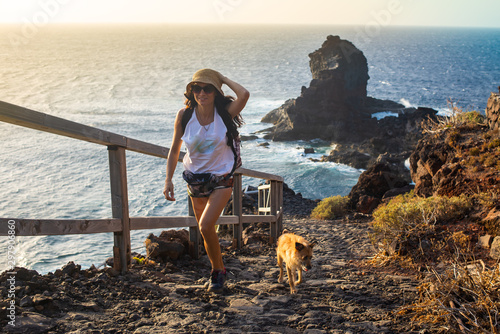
(233, 138)
(188, 112)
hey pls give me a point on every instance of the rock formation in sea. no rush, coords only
(335, 107)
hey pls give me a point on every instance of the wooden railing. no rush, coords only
(121, 223)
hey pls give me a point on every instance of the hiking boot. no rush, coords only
(217, 279)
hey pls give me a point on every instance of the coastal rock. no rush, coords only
(349, 155)
(396, 137)
(71, 268)
(171, 244)
(493, 111)
(372, 185)
(335, 107)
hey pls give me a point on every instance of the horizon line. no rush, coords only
(116, 23)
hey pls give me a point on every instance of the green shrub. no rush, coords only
(330, 208)
(406, 224)
(473, 118)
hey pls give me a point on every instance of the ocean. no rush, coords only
(130, 79)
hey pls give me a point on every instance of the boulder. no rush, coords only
(492, 220)
(71, 268)
(372, 185)
(366, 204)
(485, 241)
(170, 245)
(493, 111)
(349, 155)
(495, 249)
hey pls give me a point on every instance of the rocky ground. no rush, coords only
(342, 294)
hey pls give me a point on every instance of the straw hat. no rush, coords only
(206, 76)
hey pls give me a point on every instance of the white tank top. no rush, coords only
(206, 146)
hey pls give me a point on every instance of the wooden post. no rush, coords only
(274, 193)
(194, 235)
(237, 210)
(280, 207)
(119, 205)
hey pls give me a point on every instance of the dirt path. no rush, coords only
(340, 294)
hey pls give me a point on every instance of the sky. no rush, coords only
(466, 13)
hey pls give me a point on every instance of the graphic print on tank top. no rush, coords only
(203, 143)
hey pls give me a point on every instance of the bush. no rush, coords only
(473, 118)
(330, 208)
(406, 224)
(457, 119)
(463, 299)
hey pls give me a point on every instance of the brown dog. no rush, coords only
(297, 254)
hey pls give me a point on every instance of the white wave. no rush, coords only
(406, 103)
(384, 114)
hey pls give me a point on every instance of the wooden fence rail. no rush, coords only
(121, 224)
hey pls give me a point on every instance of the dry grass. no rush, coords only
(407, 226)
(463, 295)
(458, 118)
(463, 299)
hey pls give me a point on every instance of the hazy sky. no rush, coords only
(478, 13)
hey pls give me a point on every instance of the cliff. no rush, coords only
(461, 155)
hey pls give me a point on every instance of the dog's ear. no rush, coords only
(299, 246)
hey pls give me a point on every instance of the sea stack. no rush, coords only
(335, 106)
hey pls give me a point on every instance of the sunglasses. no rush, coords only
(209, 89)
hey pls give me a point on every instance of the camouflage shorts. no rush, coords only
(202, 185)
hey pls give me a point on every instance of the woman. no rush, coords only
(207, 125)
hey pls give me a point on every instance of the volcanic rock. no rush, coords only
(493, 111)
(372, 185)
(171, 244)
(456, 161)
(335, 107)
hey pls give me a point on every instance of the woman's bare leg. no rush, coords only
(207, 211)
